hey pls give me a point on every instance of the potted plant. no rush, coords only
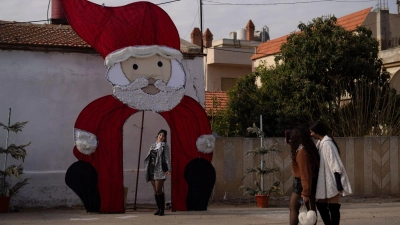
(17, 152)
(260, 171)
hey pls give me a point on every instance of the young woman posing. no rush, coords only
(305, 164)
(332, 177)
(157, 156)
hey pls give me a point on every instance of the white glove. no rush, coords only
(205, 143)
(85, 142)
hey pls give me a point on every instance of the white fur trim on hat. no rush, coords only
(85, 142)
(205, 143)
(141, 52)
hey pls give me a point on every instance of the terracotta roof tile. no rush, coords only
(349, 22)
(220, 100)
(269, 47)
(39, 35)
(50, 35)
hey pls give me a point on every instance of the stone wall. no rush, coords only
(372, 164)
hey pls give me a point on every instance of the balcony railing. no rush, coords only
(391, 43)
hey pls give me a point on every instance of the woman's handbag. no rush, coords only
(164, 165)
(307, 218)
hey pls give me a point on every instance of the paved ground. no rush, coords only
(355, 212)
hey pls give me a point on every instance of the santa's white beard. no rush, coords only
(133, 96)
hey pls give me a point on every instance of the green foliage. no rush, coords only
(219, 122)
(317, 70)
(260, 171)
(371, 110)
(17, 152)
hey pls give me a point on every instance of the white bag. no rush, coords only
(307, 218)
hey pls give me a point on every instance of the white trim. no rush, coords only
(205, 143)
(85, 142)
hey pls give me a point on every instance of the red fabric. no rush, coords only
(108, 29)
(105, 118)
(187, 122)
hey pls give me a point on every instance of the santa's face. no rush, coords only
(152, 68)
(154, 83)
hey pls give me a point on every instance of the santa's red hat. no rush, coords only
(139, 29)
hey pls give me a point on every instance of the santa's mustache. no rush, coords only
(142, 82)
(133, 95)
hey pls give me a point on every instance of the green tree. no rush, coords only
(324, 59)
(316, 68)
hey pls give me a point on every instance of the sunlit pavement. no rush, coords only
(352, 213)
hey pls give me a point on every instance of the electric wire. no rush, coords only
(168, 2)
(283, 3)
(198, 9)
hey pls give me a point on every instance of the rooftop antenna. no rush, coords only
(383, 5)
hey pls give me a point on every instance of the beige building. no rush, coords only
(384, 26)
(228, 59)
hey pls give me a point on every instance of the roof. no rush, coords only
(215, 101)
(348, 22)
(50, 36)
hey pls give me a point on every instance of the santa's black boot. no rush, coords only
(158, 205)
(324, 212)
(162, 204)
(335, 213)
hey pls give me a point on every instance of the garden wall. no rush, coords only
(372, 164)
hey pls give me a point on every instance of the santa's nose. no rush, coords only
(151, 80)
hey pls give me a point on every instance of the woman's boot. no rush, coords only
(161, 200)
(335, 213)
(158, 205)
(324, 212)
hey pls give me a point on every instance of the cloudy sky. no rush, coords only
(220, 16)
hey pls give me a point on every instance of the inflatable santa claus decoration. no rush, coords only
(141, 48)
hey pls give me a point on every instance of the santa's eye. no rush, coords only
(159, 64)
(135, 66)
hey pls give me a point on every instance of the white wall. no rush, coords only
(49, 90)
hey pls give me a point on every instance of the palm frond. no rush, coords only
(15, 189)
(14, 170)
(275, 189)
(17, 152)
(255, 130)
(15, 127)
(262, 150)
(248, 190)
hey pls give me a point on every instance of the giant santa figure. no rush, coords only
(141, 48)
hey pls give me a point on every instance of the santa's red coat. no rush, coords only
(105, 118)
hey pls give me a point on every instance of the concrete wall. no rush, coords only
(232, 56)
(268, 60)
(372, 164)
(217, 71)
(49, 90)
(391, 62)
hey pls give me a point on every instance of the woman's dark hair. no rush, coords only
(287, 136)
(165, 134)
(320, 129)
(301, 136)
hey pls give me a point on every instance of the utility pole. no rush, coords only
(201, 25)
